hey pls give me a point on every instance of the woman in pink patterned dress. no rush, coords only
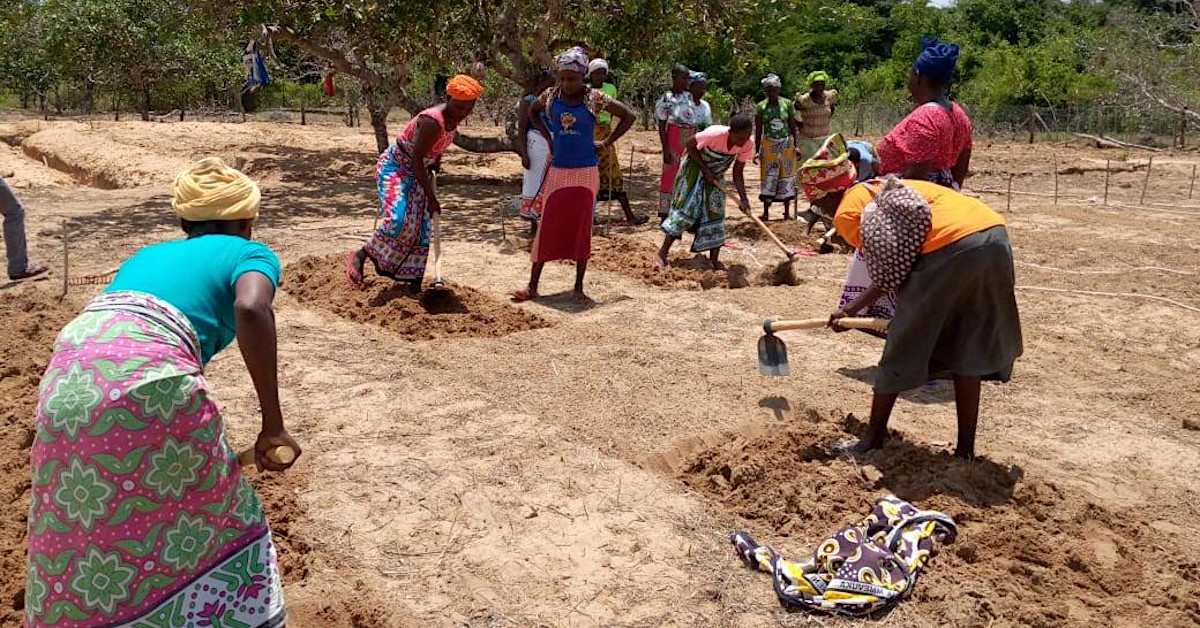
(399, 247)
(141, 515)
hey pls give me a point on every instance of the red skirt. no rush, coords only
(567, 198)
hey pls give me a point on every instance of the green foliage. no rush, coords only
(1015, 53)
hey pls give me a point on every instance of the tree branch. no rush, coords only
(339, 61)
(1193, 116)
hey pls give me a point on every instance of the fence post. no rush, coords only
(858, 119)
(1107, 167)
(1192, 187)
(1010, 181)
(1183, 127)
(1055, 179)
(1031, 123)
(303, 110)
(1100, 121)
(1146, 181)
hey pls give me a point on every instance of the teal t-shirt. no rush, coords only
(198, 277)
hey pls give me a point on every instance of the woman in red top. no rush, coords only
(934, 141)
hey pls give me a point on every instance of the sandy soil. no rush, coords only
(585, 466)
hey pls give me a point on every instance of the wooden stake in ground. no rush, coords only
(1056, 179)
(1032, 119)
(1146, 181)
(1010, 181)
(66, 238)
(1192, 187)
(1107, 168)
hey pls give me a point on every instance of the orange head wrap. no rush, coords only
(463, 87)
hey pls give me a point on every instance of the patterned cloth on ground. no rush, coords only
(863, 568)
(141, 516)
(697, 206)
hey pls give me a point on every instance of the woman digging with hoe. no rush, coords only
(399, 248)
(948, 257)
(141, 514)
(569, 191)
(698, 199)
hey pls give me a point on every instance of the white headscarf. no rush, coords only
(597, 64)
(772, 80)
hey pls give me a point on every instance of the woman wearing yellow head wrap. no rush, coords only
(399, 247)
(137, 494)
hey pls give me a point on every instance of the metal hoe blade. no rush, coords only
(772, 356)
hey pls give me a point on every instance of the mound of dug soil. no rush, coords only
(688, 271)
(97, 161)
(458, 311)
(29, 322)
(791, 232)
(1022, 542)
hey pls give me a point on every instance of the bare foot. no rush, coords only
(964, 455)
(524, 294)
(354, 269)
(854, 448)
(660, 262)
(579, 298)
(716, 265)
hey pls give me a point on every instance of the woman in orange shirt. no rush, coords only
(948, 259)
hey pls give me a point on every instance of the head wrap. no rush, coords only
(574, 60)
(463, 87)
(829, 171)
(697, 77)
(597, 64)
(772, 80)
(210, 190)
(937, 60)
(894, 227)
(819, 76)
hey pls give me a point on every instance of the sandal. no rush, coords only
(30, 271)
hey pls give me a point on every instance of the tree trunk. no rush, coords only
(116, 107)
(25, 100)
(485, 144)
(145, 104)
(89, 96)
(379, 116)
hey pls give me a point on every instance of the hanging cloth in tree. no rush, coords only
(256, 67)
(330, 90)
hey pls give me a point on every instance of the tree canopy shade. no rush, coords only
(1015, 53)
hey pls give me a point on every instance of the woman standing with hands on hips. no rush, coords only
(568, 194)
(399, 248)
(141, 512)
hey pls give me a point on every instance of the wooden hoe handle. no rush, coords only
(876, 324)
